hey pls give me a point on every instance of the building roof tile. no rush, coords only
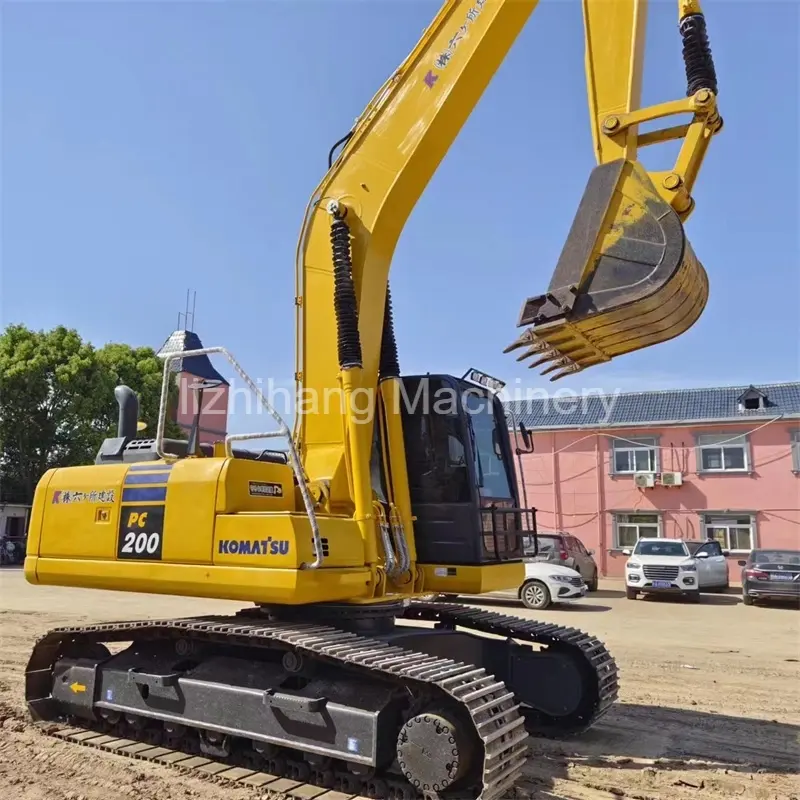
(199, 366)
(671, 406)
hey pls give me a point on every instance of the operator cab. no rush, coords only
(460, 471)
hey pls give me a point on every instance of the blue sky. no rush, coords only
(149, 147)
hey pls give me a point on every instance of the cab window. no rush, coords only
(436, 453)
(490, 466)
(376, 465)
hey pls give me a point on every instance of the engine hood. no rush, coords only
(533, 568)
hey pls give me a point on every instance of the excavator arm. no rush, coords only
(627, 277)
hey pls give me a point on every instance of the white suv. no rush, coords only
(661, 566)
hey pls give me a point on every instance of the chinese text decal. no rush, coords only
(106, 496)
(443, 59)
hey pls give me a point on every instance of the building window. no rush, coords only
(629, 528)
(723, 452)
(634, 455)
(796, 451)
(752, 400)
(732, 532)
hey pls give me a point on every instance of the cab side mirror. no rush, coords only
(742, 563)
(626, 551)
(526, 438)
(702, 555)
(591, 552)
(726, 552)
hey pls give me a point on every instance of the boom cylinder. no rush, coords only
(350, 363)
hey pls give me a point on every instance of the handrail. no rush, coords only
(283, 430)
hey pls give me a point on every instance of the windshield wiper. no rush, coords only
(475, 455)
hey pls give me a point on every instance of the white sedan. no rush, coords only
(546, 583)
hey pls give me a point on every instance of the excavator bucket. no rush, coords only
(627, 278)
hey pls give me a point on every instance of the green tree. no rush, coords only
(57, 401)
(143, 371)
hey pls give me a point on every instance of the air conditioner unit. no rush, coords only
(644, 480)
(671, 478)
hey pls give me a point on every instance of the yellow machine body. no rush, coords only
(627, 279)
(223, 537)
(92, 526)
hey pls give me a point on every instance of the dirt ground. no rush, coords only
(709, 703)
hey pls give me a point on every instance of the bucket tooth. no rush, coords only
(557, 364)
(539, 347)
(627, 277)
(527, 338)
(570, 370)
(548, 356)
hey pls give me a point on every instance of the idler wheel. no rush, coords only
(433, 751)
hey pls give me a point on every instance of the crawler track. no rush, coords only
(486, 706)
(597, 665)
(199, 766)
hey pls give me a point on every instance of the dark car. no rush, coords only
(568, 551)
(770, 575)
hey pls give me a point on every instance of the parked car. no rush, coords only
(675, 566)
(712, 564)
(547, 583)
(770, 575)
(566, 550)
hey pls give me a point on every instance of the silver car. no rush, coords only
(568, 551)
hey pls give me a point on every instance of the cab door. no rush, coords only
(716, 564)
(583, 557)
(712, 570)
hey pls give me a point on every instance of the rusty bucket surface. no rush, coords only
(627, 278)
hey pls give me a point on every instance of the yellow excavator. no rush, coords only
(392, 490)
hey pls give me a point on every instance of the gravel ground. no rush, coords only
(709, 704)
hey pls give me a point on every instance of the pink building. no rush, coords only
(190, 373)
(721, 463)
